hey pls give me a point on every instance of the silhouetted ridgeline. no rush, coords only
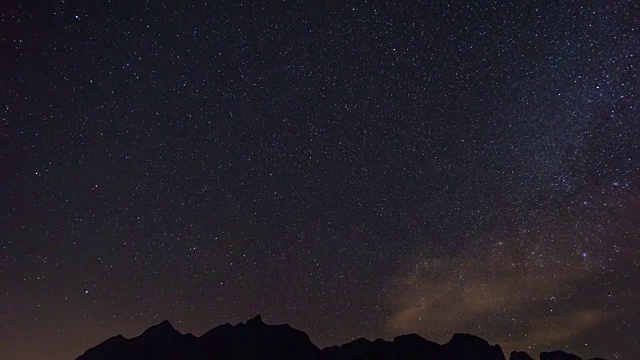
(256, 340)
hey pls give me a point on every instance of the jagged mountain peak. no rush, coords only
(163, 329)
(255, 340)
(519, 355)
(256, 320)
(467, 338)
(163, 326)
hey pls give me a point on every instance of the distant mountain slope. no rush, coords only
(256, 340)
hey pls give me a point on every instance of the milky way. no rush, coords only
(560, 280)
(353, 170)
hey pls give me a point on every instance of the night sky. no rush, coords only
(352, 170)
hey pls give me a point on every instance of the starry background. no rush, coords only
(353, 170)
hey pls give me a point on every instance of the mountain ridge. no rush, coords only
(253, 340)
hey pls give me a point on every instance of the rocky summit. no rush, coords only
(255, 340)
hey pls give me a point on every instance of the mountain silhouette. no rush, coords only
(255, 340)
(519, 355)
(558, 355)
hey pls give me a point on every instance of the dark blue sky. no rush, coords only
(354, 170)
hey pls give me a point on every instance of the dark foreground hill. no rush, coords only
(257, 340)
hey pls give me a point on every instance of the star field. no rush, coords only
(352, 170)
